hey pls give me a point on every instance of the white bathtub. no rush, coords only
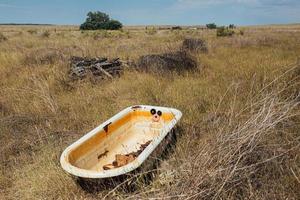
(122, 134)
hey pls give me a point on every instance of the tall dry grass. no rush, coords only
(240, 125)
(243, 151)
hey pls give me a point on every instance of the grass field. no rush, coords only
(240, 126)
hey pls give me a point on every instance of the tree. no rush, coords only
(211, 26)
(94, 17)
(232, 26)
(98, 20)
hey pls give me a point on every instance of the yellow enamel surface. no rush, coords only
(93, 143)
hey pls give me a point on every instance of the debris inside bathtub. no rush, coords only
(121, 160)
(102, 154)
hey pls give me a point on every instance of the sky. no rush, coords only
(153, 12)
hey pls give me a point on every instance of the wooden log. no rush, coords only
(103, 71)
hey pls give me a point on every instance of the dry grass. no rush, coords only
(240, 126)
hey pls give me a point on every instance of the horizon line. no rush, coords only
(128, 25)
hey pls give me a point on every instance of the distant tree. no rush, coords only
(232, 26)
(176, 28)
(99, 20)
(211, 26)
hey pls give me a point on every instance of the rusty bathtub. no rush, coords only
(121, 144)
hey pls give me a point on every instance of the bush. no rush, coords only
(211, 26)
(224, 31)
(176, 28)
(98, 20)
(178, 61)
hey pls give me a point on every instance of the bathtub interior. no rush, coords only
(122, 136)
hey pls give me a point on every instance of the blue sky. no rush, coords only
(143, 12)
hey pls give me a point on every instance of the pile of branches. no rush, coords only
(101, 67)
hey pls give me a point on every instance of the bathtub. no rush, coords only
(135, 133)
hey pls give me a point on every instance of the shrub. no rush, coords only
(178, 61)
(99, 20)
(211, 26)
(224, 31)
(176, 28)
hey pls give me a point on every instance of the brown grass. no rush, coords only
(240, 125)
